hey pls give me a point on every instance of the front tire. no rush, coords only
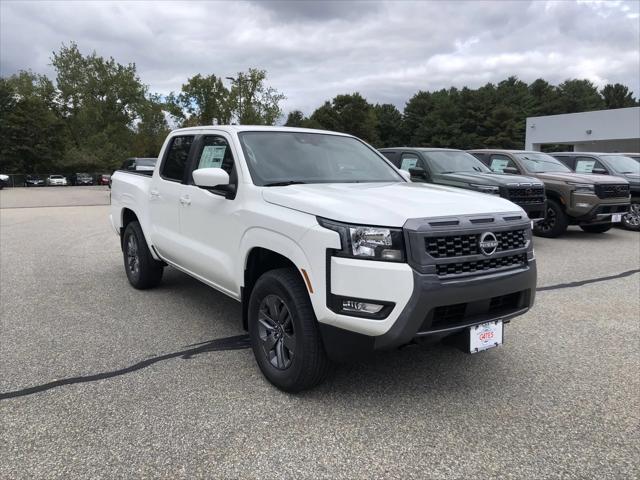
(631, 221)
(284, 332)
(143, 271)
(599, 228)
(555, 222)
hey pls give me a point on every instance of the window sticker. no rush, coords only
(585, 166)
(212, 156)
(498, 164)
(408, 162)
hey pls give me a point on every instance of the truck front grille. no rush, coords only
(526, 195)
(486, 265)
(612, 190)
(463, 245)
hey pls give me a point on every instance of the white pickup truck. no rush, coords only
(332, 252)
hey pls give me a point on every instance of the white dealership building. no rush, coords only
(615, 130)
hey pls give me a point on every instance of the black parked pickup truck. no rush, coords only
(456, 168)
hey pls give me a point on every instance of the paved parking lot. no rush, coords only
(100, 380)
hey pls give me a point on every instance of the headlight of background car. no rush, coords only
(582, 187)
(373, 243)
(486, 189)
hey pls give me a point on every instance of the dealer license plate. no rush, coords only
(616, 217)
(485, 336)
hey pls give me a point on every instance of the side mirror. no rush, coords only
(511, 170)
(210, 177)
(418, 172)
(406, 175)
(600, 171)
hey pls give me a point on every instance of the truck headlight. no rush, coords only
(362, 241)
(582, 187)
(486, 189)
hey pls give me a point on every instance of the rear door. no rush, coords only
(164, 198)
(209, 220)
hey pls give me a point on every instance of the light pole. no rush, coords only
(239, 82)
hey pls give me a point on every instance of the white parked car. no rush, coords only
(56, 180)
(331, 251)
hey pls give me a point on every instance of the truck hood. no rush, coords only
(385, 204)
(483, 178)
(580, 177)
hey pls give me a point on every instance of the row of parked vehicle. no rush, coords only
(62, 180)
(591, 190)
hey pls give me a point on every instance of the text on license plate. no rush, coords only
(485, 335)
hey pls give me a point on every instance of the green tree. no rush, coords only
(252, 101)
(31, 131)
(579, 96)
(617, 96)
(152, 129)
(349, 114)
(389, 125)
(295, 119)
(204, 99)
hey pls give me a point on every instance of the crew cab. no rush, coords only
(457, 168)
(331, 251)
(609, 164)
(591, 201)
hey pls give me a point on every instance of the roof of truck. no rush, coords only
(423, 149)
(502, 150)
(257, 128)
(590, 153)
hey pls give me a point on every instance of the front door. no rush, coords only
(209, 219)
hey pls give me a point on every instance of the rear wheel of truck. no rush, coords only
(142, 270)
(284, 332)
(554, 223)
(599, 228)
(631, 221)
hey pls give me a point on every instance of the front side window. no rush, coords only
(587, 164)
(175, 161)
(622, 164)
(541, 163)
(452, 161)
(215, 152)
(500, 162)
(291, 157)
(409, 160)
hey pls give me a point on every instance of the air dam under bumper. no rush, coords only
(438, 308)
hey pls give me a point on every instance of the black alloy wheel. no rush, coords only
(276, 332)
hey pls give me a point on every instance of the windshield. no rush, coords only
(541, 162)
(56, 176)
(622, 164)
(292, 157)
(452, 161)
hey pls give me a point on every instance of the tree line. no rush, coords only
(97, 112)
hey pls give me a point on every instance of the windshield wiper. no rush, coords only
(284, 184)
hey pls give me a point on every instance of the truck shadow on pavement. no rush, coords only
(236, 342)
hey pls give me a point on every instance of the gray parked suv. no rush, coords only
(609, 164)
(456, 168)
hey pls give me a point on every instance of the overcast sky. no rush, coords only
(315, 50)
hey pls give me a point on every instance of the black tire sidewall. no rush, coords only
(561, 221)
(150, 271)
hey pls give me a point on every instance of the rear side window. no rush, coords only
(175, 160)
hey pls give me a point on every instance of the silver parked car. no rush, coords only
(56, 180)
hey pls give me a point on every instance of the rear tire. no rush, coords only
(555, 222)
(142, 270)
(284, 332)
(631, 221)
(599, 228)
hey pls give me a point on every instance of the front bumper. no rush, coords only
(535, 211)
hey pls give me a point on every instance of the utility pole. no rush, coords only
(239, 83)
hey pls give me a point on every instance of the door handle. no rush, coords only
(185, 200)
(154, 194)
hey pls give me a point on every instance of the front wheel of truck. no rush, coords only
(631, 221)
(284, 332)
(142, 270)
(554, 223)
(599, 228)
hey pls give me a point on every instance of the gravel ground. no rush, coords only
(559, 400)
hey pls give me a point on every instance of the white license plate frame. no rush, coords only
(485, 336)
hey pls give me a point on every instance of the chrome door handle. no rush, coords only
(185, 200)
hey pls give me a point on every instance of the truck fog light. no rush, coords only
(582, 205)
(361, 307)
(394, 255)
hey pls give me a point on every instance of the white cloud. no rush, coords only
(315, 50)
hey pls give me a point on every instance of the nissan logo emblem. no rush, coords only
(488, 243)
